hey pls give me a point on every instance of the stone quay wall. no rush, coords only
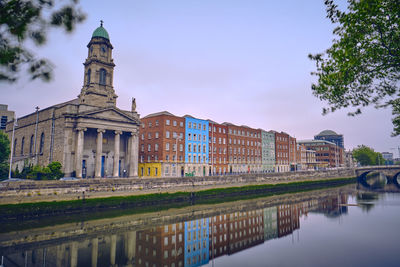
(34, 191)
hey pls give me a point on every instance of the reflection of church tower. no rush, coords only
(98, 88)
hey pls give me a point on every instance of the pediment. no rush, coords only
(111, 114)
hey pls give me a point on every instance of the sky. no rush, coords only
(238, 61)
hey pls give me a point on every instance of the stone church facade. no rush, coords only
(88, 135)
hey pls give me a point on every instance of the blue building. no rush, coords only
(196, 146)
(197, 242)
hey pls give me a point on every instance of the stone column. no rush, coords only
(113, 249)
(74, 254)
(133, 154)
(116, 153)
(95, 251)
(79, 152)
(130, 247)
(99, 152)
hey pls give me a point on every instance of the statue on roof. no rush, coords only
(133, 104)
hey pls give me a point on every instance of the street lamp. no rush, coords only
(12, 147)
(176, 153)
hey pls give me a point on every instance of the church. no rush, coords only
(89, 135)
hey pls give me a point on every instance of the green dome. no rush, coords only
(101, 32)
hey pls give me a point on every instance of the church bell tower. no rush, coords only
(98, 87)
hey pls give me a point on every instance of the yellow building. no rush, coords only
(149, 169)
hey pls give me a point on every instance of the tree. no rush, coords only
(4, 154)
(367, 156)
(22, 20)
(362, 67)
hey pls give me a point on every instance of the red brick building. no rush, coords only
(161, 145)
(282, 152)
(244, 149)
(218, 148)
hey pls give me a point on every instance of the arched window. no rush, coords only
(41, 143)
(31, 146)
(22, 145)
(15, 145)
(88, 76)
(103, 74)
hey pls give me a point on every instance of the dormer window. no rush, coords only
(103, 74)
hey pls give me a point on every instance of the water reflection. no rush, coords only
(191, 238)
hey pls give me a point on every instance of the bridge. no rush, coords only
(391, 172)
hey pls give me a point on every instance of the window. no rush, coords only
(22, 145)
(103, 74)
(15, 145)
(88, 76)
(149, 147)
(149, 136)
(174, 123)
(41, 143)
(167, 134)
(150, 124)
(194, 126)
(167, 157)
(31, 145)
(204, 127)
(142, 148)
(174, 135)
(166, 241)
(189, 136)
(190, 148)
(156, 147)
(204, 138)
(167, 122)
(167, 146)
(156, 134)
(189, 125)
(156, 122)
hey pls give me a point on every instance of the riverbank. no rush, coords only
(154, 201)
(48, 191)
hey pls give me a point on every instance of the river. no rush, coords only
(343, 226)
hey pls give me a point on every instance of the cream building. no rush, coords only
(88, 135)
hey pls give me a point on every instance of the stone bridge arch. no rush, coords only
(392, 173)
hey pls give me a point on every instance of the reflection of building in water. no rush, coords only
(190, 243)
(219, 235)
(288, 219)
(246, 229)
(270, 223)
(161, 246)
(111, 250)
(196, 242)
(332, 206)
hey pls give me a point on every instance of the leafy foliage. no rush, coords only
(4, 154)
(362, 67)
(366, 156)
(49, 172)
(22, 20)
